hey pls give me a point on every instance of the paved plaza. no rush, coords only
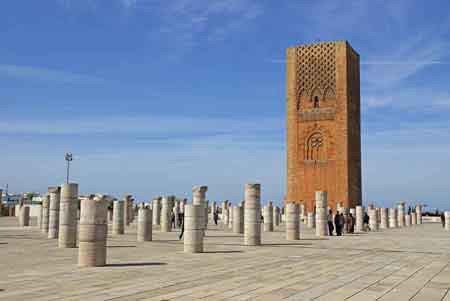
(397, 264)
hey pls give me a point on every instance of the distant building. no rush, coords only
(8, 198)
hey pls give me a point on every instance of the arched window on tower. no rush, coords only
(315, 147)
(316, 101)
(316, 98)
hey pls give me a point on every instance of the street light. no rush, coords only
(68, 158)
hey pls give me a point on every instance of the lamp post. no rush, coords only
(68, 158)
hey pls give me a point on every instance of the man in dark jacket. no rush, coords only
(338, 224)
(366, 222)
(330, 223)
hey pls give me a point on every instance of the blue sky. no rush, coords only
(153, 97)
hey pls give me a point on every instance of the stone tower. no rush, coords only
(323, 124)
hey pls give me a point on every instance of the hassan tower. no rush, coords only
(323, 124)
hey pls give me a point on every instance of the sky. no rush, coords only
(153, 97)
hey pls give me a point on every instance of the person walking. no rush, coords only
(172, 220)
(351, 223)
(366, 222)
(216, 216)
(182, 226)
(343, 222)
(180, 216)
(337, 224)
(330, 222)
(443, 219)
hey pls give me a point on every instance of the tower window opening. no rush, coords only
(316, 101)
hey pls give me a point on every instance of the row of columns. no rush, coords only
(245, 218)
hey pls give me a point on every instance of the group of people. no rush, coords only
(340, 222)
(181, 221)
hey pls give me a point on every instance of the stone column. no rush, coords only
(378, 217)
(384, 218)
(344, 211)
(11, 210)
(359, 219)
(24, 216)
(67, 237)
(131, 208)
(413, 218)
(126, 210)
(373, 220)
(225, 213)
(39, 217)
(238, 222)
(53, 219)
(292, 214)
(206, 213)
(408, 220)
(45, 214)
(392, 217)
(118, 217)
(419, 214)
(268, 218)
(302, 213)
(321, 214)
(193, 228)
(230, 216)
(157, 211)
(198, 198)
(447, 220)
(242, 205)
(311, 222)
(401, 214)
(93, 231)
(176, 212)
(252, 211)
(165, 216)
(144, 226)
(276, 216)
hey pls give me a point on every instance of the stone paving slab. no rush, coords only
(396, 264)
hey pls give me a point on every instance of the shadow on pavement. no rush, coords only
(135, 264)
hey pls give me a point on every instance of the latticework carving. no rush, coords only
(316, 70)
(314, 147)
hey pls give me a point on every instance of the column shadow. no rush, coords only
(135, 264)
(287, 244)
(221, 252)
(225, 236)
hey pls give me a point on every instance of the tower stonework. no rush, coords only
(323, 124)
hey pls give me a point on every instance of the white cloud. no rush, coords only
(139, 124)
(376, 102)
(442, 101)
(128, 3)
(221, 153)
(47, 75)
(185, 22)
(411, 57)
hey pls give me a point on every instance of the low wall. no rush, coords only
(34, 210)
(431, 219)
